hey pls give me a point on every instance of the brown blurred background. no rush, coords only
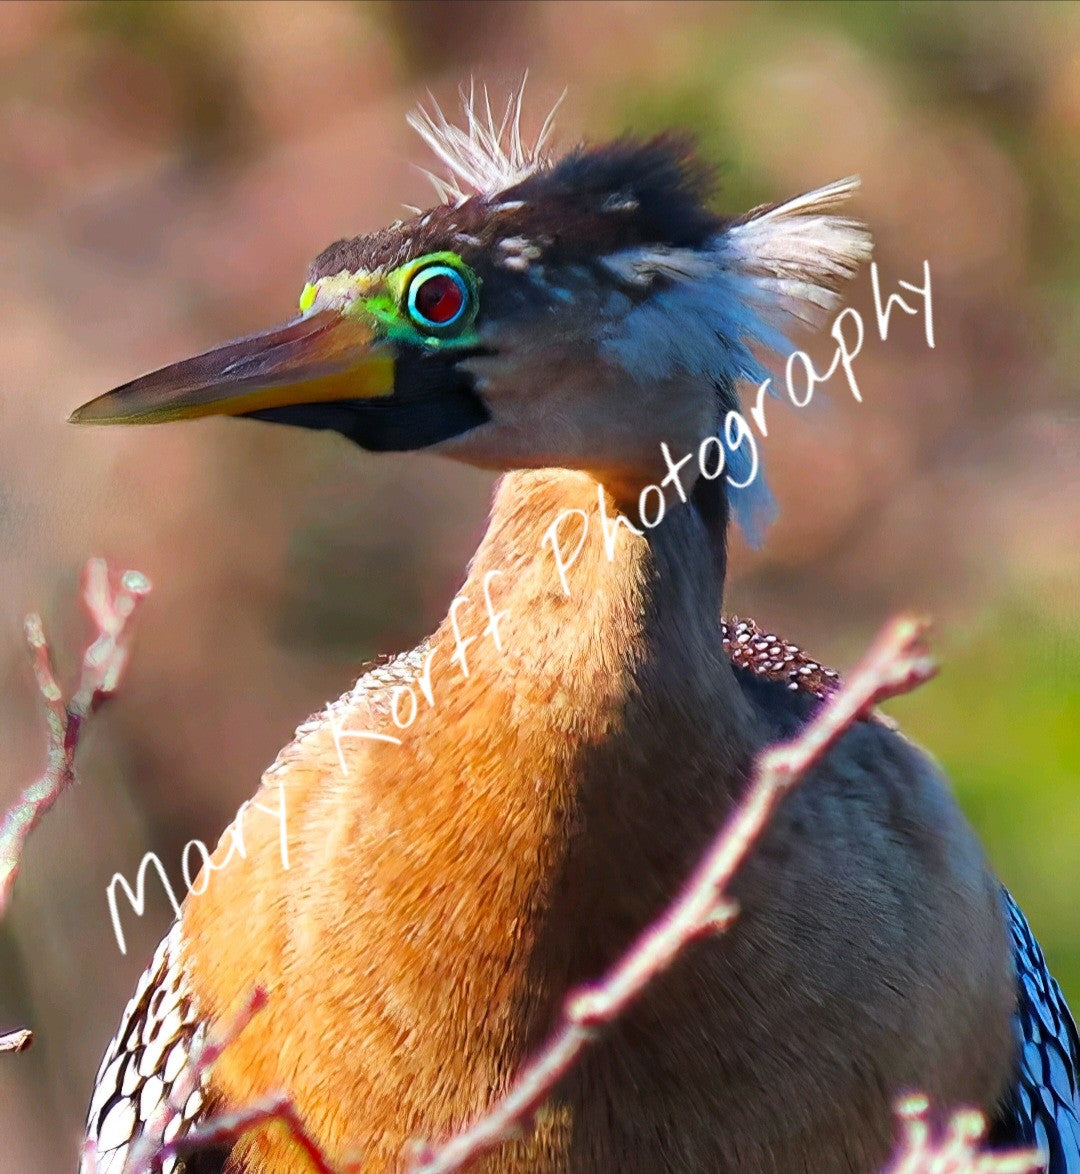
(167, 172)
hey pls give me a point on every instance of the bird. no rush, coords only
(481, 825)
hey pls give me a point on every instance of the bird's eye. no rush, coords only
(438, 297)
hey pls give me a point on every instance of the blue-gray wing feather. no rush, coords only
(1043, 1107)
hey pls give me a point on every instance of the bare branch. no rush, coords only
(957, 1151)
(102, 667)
(16, 1041)
(226, 1128)
(895, 664)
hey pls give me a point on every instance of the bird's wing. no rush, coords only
(146, 1065)
(1043, 1108)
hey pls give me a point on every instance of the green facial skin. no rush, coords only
(388, 303)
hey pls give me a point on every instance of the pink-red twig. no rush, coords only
(226, 1128)
(102, 668)
(894, 665)
(957, 1150)
(16, 1041)
(150, 1151)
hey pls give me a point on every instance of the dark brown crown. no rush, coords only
(592, 202)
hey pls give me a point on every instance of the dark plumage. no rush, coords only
(591, 203)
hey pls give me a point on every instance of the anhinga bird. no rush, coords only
(559, 320)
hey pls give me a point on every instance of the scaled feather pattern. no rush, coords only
(1043, 1109)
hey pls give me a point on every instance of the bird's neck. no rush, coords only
(575, 628)
(610, 706)
(595, 619)
(446, 889)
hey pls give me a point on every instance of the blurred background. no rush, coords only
(167, 170)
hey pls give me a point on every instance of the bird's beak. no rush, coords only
(324, 357)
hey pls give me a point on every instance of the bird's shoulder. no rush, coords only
(365, 710)
(148, 1070)
(778, 676)
(783, 684)
(1042, 1108)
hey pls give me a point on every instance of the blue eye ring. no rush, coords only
(453, 283)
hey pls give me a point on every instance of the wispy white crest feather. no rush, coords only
(720, 305)
(773, 268)
(483, 157)
(799, 253)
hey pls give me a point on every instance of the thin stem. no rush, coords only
(102, 667)
(16, 1041)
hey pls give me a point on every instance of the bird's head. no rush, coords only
(572, 312)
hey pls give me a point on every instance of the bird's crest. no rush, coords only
(758, 277)
(484, 156)
(800, 251)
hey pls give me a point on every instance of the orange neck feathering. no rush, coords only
(443, 893)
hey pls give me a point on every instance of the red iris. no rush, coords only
(439, 298)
